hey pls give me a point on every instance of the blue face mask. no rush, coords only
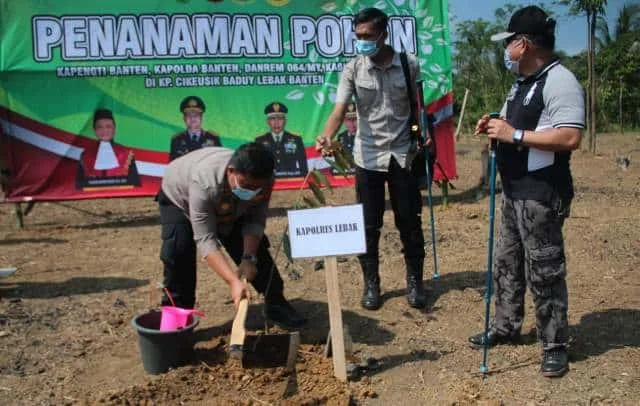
(244, 194)
(366, 47)
(511, 65)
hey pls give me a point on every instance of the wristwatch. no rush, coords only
(251, 258)
(518, 135)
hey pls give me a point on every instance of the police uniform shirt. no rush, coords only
(383, 110)
(551, 98)
(185, 142)
(197, 184)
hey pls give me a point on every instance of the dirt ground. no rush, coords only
(86, 268)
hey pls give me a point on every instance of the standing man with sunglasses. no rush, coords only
(215, 196)
(541, 123)
(383, 150)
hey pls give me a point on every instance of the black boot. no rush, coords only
(415, 291)
(371, 299)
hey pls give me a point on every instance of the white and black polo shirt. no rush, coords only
(551, 98)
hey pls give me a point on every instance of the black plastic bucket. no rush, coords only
(161, 350)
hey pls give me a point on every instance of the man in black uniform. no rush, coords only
(194, 137)
(351, 122)
(541, 123)
(348, 136)
(288, 149)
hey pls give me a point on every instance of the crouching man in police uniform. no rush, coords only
(216, 196)
(194, 137)
(288, 149)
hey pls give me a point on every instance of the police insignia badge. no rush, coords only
(290, 147)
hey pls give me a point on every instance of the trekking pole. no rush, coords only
(492, 208)
(425, 137)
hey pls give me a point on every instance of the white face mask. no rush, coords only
(511, 65)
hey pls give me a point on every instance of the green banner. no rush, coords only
(62, 60)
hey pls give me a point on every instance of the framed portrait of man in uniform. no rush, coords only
(348, 137)
(194, 136)
(288, 148)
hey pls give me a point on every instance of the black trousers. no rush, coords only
(406, 203)
(178, 254)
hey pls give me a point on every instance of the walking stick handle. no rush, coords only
(494, 143)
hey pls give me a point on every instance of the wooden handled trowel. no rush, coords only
(259, 350)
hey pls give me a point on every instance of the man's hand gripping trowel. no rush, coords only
(259, 350)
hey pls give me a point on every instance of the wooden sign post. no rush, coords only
(335, 319)
(329, 232)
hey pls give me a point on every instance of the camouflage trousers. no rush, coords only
(530, 252)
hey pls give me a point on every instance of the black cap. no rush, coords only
(102, 114)
(275, 109)
(192, 104)
(530, 20)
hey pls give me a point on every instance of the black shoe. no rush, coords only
(493, 338)
(283, 314)
(371, 299)
(555, 362)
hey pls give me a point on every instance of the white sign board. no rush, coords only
(327, 231)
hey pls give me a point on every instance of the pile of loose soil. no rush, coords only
(220, 381)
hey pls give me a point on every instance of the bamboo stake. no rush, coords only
(464, 105)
